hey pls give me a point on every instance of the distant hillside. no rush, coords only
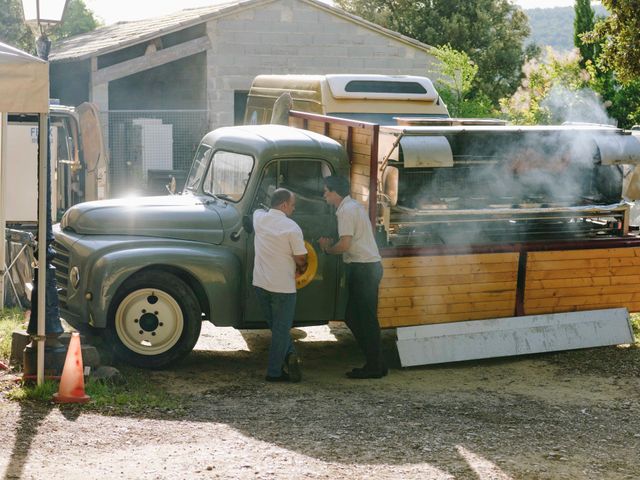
(554, 26)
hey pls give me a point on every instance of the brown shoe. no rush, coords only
(293, 367)
(361, 373)
(284, 377)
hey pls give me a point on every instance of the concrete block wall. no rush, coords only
(294, 36)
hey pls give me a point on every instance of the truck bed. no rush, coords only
(587, 269)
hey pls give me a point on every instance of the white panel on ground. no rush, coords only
(501, 337)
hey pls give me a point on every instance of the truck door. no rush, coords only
(94, 153)
(316, 303)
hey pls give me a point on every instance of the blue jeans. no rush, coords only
(278, 310)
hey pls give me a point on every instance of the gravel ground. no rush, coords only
(565, 415)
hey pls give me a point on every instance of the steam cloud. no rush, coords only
(546, 167)
(576, 106)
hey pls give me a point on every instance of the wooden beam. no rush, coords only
(150, 60)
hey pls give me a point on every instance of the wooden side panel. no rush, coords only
(575, 280)
(449, 288)
(357, 140)
(360, 156)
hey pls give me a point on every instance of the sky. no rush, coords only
(111, 11)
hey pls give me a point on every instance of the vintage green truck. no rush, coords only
(474, 222)
(150, 269)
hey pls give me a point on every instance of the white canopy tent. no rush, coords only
(24, 88)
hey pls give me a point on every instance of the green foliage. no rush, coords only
(457, 68)
(10, 320)
(582, 23)
(530, 103)
(458, 72)
(455, 84)
(590, 79)
(635, 325)
(622, 99)
(490, 32)
(140, 394)
(77, 19)
(39, 393)
(480, 106)
(13, 30)
(625, 104)
(619, 36)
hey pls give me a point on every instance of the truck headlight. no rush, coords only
(74, 277)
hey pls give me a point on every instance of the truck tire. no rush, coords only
(154, 320)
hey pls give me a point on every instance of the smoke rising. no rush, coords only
(582, 106)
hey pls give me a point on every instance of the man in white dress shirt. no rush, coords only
(360, 253)
(279, 254)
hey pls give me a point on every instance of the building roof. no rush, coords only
(125, 34)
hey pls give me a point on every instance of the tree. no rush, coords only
(13, 31)
(553, 91)
(582, 23)
(490, 32)
(454, 86)
(619, 35)
(622, 99)
(77, 19)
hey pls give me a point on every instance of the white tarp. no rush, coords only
(24, 88)
(24, 82)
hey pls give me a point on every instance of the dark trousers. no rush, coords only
(363, 280)
(278, 310)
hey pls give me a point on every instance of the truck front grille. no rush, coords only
(61, 262)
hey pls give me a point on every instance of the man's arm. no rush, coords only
(339, 247)
(301, 263)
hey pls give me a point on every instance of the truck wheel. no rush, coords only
(155, 320)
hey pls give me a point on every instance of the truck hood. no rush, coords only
(182, 217)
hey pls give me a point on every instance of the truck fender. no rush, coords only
(213, 274)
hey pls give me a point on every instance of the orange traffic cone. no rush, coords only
(71, 388)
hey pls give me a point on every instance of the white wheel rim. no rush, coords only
(149, 321)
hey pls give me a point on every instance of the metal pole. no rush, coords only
(3, 155)
(43, 188)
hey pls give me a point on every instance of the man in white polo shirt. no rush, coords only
(279, 253)
(364, 271)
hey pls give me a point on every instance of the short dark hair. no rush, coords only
(280, 196)
(338, 184)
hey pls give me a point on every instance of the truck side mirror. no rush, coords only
(247, 224)
(390, 177)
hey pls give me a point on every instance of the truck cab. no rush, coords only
(147, 271)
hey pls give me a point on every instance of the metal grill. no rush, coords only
(503, 225)
(61, 263)
(149, 147)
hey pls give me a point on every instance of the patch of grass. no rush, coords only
(10, 319)
(635, 324)
(138, 394)
(41, 393)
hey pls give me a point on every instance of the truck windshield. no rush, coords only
(198, 168)
(228, 175)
